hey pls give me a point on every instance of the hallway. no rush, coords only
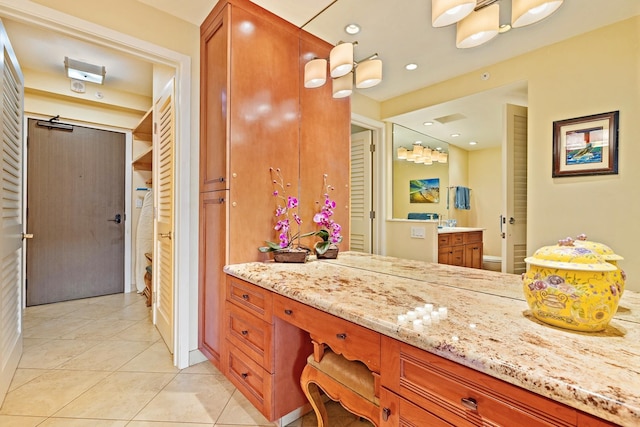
(100, 362)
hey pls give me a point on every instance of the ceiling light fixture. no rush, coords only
(482, 22)
(428, 123)
(343, 70)
(352, 29)
(79, 70)
(411, 66)
(421, 155)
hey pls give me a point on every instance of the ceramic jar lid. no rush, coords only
(604, 250)
(566, 256)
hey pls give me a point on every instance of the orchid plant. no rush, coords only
(330, 231)
(286, 214)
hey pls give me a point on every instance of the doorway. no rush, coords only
(75, 212)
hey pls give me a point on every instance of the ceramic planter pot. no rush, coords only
(331, 253)
(291, 255)
(571, 287)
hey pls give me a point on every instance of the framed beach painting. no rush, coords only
(424, 190)
(586, 145)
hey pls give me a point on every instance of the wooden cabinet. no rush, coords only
(463, 249)
(255, 114)
(270, 379)
(211, 290)
(420, 388)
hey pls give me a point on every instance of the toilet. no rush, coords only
(491, 262)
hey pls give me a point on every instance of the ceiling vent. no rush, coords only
(450, 118)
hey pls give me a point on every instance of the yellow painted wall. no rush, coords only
(593, 73)
(486, 200)
(403, 172)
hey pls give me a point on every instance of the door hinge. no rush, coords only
(153, 296)
(372, 148)
(155, 127)
(372, 214)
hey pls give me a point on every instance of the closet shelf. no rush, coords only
(144, 132)
(144, 161)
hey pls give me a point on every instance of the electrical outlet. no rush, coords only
(417, 232)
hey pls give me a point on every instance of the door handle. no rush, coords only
(117, 219)
(512, 220)
(166, 235)
(27, 236)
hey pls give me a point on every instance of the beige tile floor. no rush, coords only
(100, 362)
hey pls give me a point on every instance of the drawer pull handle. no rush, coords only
(244, 332)
(386, 413)
(245, 297)
(469, 403)
(341, 336)
(288, 312)
(244, 375)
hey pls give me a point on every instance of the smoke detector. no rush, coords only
(77, 86)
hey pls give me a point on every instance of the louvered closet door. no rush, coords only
(515, 237)
(361, 222)
(11, 222)
(163, 182)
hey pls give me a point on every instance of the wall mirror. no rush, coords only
(420, 174)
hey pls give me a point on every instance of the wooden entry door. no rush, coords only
(75, 211)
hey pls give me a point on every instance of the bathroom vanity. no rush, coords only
(488, 362)
(461, 246)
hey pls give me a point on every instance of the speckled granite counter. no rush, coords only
(489, 327)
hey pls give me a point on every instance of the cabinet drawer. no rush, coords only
(352, 341)
(253, 382)
(251, 334)
(444, 239)
(396, 411)
(457, 238)
(463, 396)
(472, 237)
(254, 299)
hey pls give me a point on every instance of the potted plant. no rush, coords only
(330, 230)
(287, 249)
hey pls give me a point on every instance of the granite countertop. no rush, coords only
(442, 230)
(488, 328)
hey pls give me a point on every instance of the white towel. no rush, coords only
(144, 239)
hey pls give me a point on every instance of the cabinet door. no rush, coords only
(473, 255)
(398, 412)
(212, 278)
(214, 40)
(264, 128)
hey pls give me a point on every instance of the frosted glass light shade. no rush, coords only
(417, 151)
(368, 73)
(402, 153)
(446, 12)
(479, 27)
(342, 86)
(525, 12)
(444, 157)
(341, 60)
(315, 73)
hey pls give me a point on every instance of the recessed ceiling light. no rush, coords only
(352, 29)
(504, 28)
(428, 123)
(472, 143)
(411, 66)
(455, 135)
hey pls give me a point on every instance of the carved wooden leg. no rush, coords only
(312, 391)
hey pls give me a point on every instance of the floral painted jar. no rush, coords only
(571, 286)
(608, 254)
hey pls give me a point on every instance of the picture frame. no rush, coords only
(424, 190)
(586, 145)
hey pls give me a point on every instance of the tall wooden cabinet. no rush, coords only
(255, 114)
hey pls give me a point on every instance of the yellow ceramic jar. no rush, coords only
(572, 287)
(608, 255)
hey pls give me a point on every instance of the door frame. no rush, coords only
(187, 266)
(127, 189)
(379, 170)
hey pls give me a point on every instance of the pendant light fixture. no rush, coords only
(341, 60)
(479, 27)
(446, 12)
(368, 73)
(342, 86)
(525, 12)
(342, 70)
(478, 21)
(315, 73)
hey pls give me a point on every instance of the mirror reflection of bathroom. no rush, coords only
(484, 136)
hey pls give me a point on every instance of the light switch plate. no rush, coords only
(417, 232)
